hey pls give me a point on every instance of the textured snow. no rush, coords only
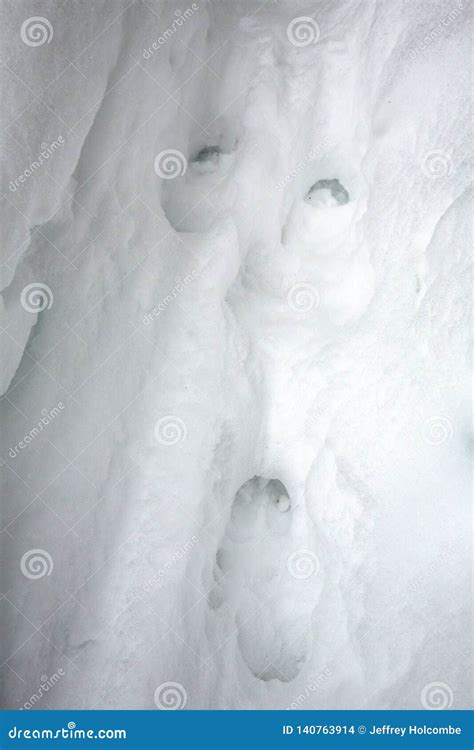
(257, 486)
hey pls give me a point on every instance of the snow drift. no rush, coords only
(241, 280)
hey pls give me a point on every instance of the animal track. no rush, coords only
(208, 154)
(194, 200)
(327, 192)
(271, 608)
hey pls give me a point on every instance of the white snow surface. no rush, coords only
(258, 484)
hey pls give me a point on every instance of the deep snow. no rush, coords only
(256, 487)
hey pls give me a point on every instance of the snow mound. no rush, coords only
(236, 452)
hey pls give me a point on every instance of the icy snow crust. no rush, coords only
(302, 538)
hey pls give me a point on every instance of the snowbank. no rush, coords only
(257, 488)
